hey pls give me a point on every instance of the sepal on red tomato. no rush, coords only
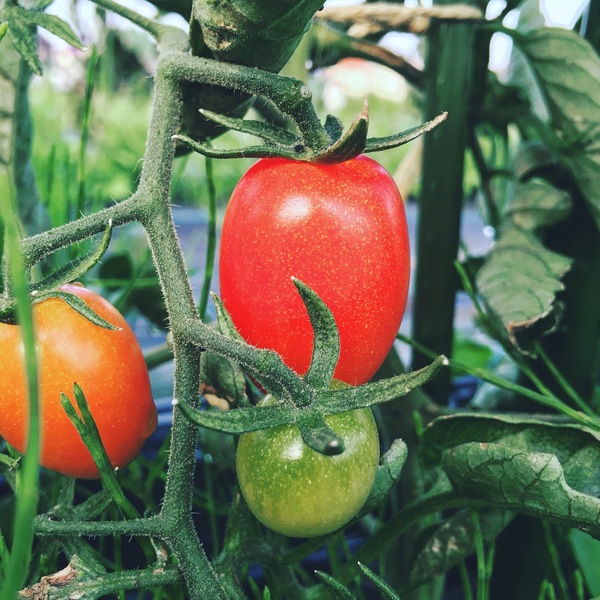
(78, 305)
(281, 143)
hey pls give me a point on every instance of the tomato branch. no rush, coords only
(152, 27)
(37, 247)
(78, 576)
(46, 526)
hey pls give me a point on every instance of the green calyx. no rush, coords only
(338, 146)
(304, 401)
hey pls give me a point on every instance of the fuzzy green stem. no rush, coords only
(179, 531)
(151, 526)
(153, 28)
(36, 247)
(290, 95)
(274, 375)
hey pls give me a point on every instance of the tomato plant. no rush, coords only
(107, 364)
(339, 228)
(296, 491)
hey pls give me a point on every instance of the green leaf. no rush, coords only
(467, 351)
(87, 428)
(260, 151)
(351, 143)
(529, 482)
(326, 344)
(243, 32)
(399, 139)
(519, 283)
(386, 590)
(549, 469)
(334, 587)
(334, 128)
(22, 27)
(3, 30)
(24, 38)
(538, 204)
(568, 71)
(450, 541)
(270, 133)
(224, 377)
(380, 391)
(388, 473)
(327, 402)
(587, 554)
(226, 326)
(57, 26)
(240, 420)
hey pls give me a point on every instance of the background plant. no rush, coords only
(456, 498)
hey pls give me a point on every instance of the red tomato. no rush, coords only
(341, 229)
(109, 367)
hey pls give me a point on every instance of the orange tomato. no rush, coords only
(109, 367)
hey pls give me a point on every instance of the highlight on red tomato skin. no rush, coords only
(340, 229)
(109, 367)
(297, 492)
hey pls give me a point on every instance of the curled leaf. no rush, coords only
(541, 467)
(351, 143)
(524, 299)
(528, 482)
(388, 473)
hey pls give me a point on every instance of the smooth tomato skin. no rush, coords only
(340, 229)
(109, 367)
(298, 492)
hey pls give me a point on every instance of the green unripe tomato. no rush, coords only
(298, 492)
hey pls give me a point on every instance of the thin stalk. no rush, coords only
(17, 567)
(38, 246)
(448, 87)
(482, 581)
(151, 526)
(153, 28)
(212, 239)
(85, 130)
(157, 219)
(562, 381)
(545, 399)
(465, 581)
(158, 355)
(547, 591)
(555, 560)
(115, 583)
(132, 283)
(210, 506)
